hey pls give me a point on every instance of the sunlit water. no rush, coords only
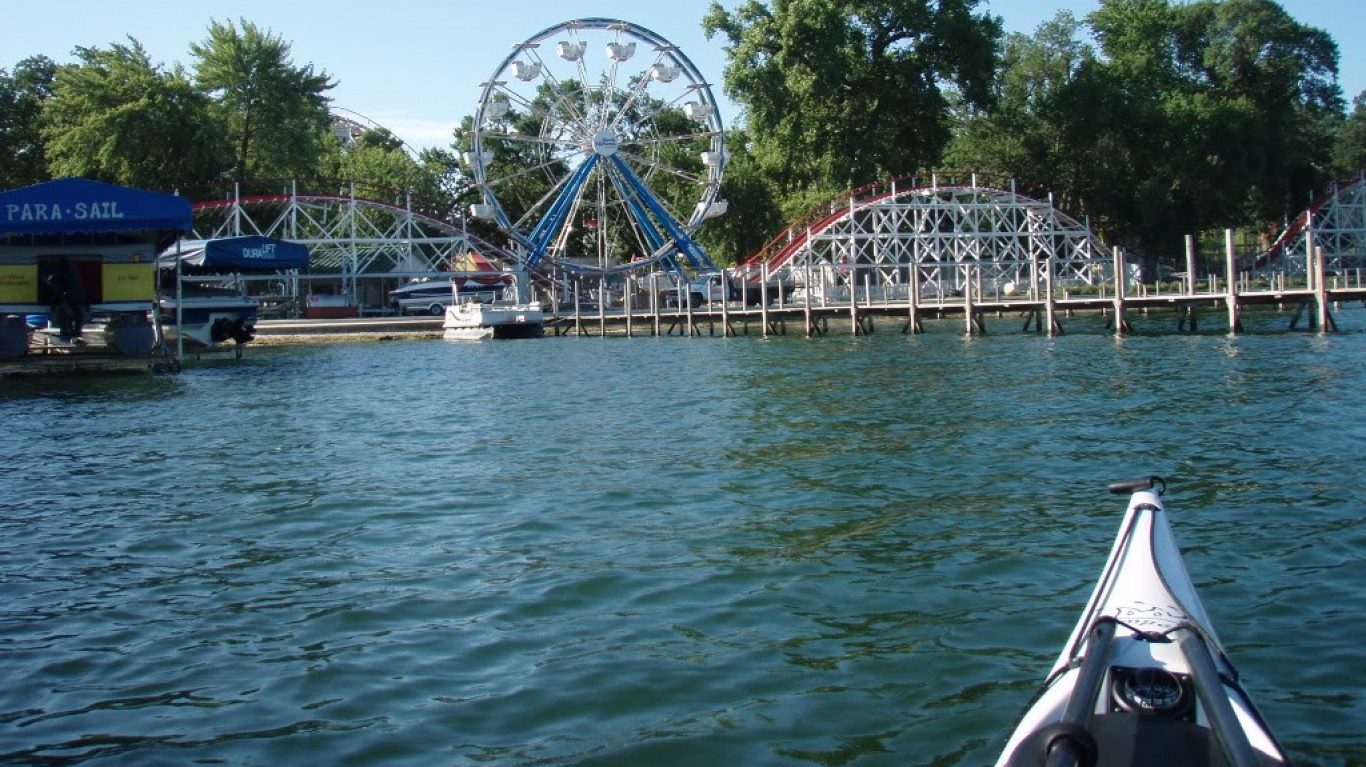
(672, 551)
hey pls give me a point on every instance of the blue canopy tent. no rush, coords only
(80, 206)
(235, 254)
(210, 314)
(73, 248)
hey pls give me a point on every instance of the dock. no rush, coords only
(861, 314)
(1179, 311)
(271, 332)
(864, 314)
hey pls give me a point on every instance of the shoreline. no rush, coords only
(348, 330)
(292, 339)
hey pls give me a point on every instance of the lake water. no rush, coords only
(659, 551)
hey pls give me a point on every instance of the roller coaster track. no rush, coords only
(937, 230)
(1335, 221)
(353, 230)
(333, 216)
(938, 222)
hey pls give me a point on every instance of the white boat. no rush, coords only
(209, 315)
(433, 296)
(202, 301)
(1143, 681)
(474, 320)
(472, 275)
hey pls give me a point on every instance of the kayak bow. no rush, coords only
(1143, 681)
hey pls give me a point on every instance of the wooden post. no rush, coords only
(913, 322)
(655, 308)
(1050, 311)
(1190, 264)
(806, 292)
(1321, 290)
(1309, 269)
(763, 296)
(1121, 314)
(1235, 325)
(967, 299)
(687, 292)
(853, 300)
(602, 307)
(578, 321)
(725, 305)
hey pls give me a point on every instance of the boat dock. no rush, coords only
(861, 314)
(1177, 311)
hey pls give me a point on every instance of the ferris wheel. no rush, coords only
(598, 145)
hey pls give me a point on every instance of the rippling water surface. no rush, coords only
(676, 551)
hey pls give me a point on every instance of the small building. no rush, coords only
(78, 268)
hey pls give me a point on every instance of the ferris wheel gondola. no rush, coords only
(597, 145)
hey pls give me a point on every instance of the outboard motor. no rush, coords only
(221, 330)
(242, 332)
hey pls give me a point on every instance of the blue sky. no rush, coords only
(414, 66)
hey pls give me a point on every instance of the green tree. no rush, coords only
(1047, 103)
(753, 215)
(276, 113)
(839, 93)
(378, 157)
(22, 95)
(453, 188)
(1188, 117)
(1349, 151)
(117, 117)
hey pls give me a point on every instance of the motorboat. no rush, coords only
(476, 320)
(432, 296)
(1143, 681)
(471, 275)
(202, 300)
(208, 315)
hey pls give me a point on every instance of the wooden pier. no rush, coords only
(860, 299)
(1187, 312)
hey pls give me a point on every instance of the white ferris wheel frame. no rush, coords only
(606, 95)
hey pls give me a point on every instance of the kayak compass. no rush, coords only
(1149, 690)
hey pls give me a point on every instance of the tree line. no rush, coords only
(1154, 119)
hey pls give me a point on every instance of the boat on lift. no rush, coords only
(1143, 681)
(202, 300)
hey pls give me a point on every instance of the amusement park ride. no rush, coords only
(598, 150)
(598, 145)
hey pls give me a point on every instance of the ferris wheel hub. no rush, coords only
(605, 143)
